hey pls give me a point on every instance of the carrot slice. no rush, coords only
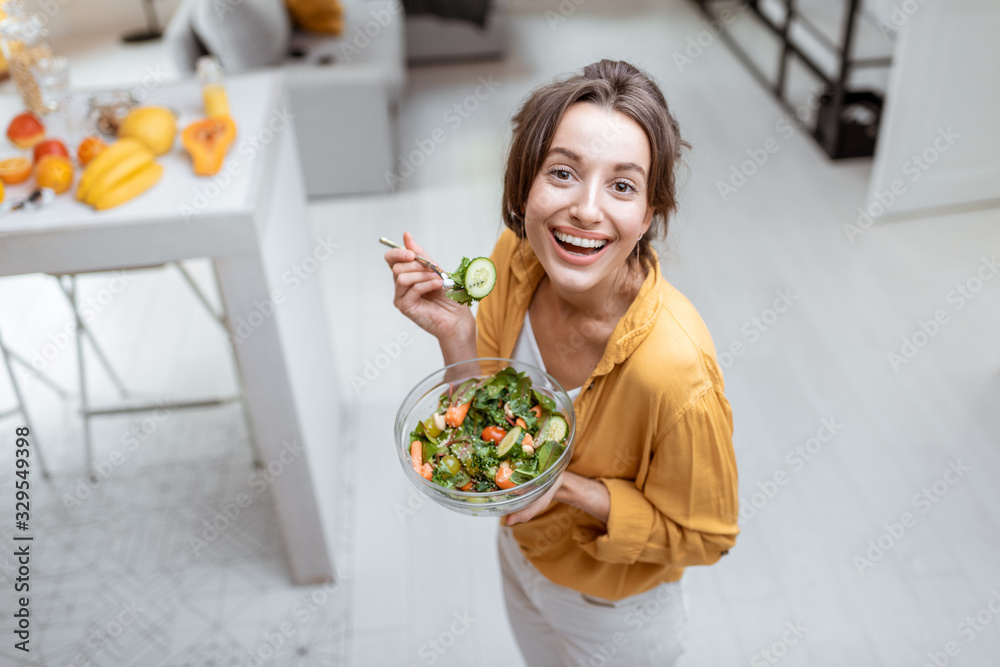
(455, 414)
(502, 477)
(416, 455)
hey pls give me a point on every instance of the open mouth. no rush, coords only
(579, 246)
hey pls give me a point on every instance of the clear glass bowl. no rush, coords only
(422, 401)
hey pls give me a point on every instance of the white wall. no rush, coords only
(878, 8)
(74, 18)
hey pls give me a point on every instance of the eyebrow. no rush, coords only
(621, 166)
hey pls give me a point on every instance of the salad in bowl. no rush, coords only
(486, 436)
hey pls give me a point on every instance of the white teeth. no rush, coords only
(577, 241)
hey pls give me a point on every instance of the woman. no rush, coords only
(592, 571)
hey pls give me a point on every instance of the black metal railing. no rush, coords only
(847, 120)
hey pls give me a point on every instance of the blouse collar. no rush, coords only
(631, 329)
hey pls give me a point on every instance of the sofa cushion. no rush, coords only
(243, 34)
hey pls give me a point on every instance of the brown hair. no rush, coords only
(615, 86)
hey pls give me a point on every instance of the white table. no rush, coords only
(251, 220)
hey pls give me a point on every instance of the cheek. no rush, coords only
(545, 199)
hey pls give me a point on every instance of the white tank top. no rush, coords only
(526, 350)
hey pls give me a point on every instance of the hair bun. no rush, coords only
(613, 71)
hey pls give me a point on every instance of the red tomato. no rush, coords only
(493, 434)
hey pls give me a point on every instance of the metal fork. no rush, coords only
(448, 282)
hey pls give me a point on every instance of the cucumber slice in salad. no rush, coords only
(555, 429)
(508, 441)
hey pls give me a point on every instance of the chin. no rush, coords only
(578, 280)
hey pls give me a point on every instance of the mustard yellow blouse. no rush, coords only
(652, 424)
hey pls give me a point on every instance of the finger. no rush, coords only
(410, 243)
(397, 255)
(411, 267)
(410, 295)
(408, 299)
(407, 279)
(413, 278)
(427, 286)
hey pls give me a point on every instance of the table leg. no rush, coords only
(276, 413)
(279, 333)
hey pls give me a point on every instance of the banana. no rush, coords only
(134, 185)
(103, 161)
(119, 172)
(106, 160)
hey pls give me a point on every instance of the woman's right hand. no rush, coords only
(419, 296)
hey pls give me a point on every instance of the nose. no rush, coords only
(586, 206)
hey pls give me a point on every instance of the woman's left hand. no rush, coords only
(539, 506)
(584, 493)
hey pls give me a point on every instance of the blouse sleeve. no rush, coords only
(686, 511)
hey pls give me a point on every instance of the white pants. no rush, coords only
(555, 625)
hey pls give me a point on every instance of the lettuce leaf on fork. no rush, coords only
(458, 293)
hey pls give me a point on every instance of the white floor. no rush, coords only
(410, 568)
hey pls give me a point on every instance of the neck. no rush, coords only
(608, 300)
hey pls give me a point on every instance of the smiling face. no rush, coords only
(587, 206)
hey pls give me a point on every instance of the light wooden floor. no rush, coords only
(796, 562)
